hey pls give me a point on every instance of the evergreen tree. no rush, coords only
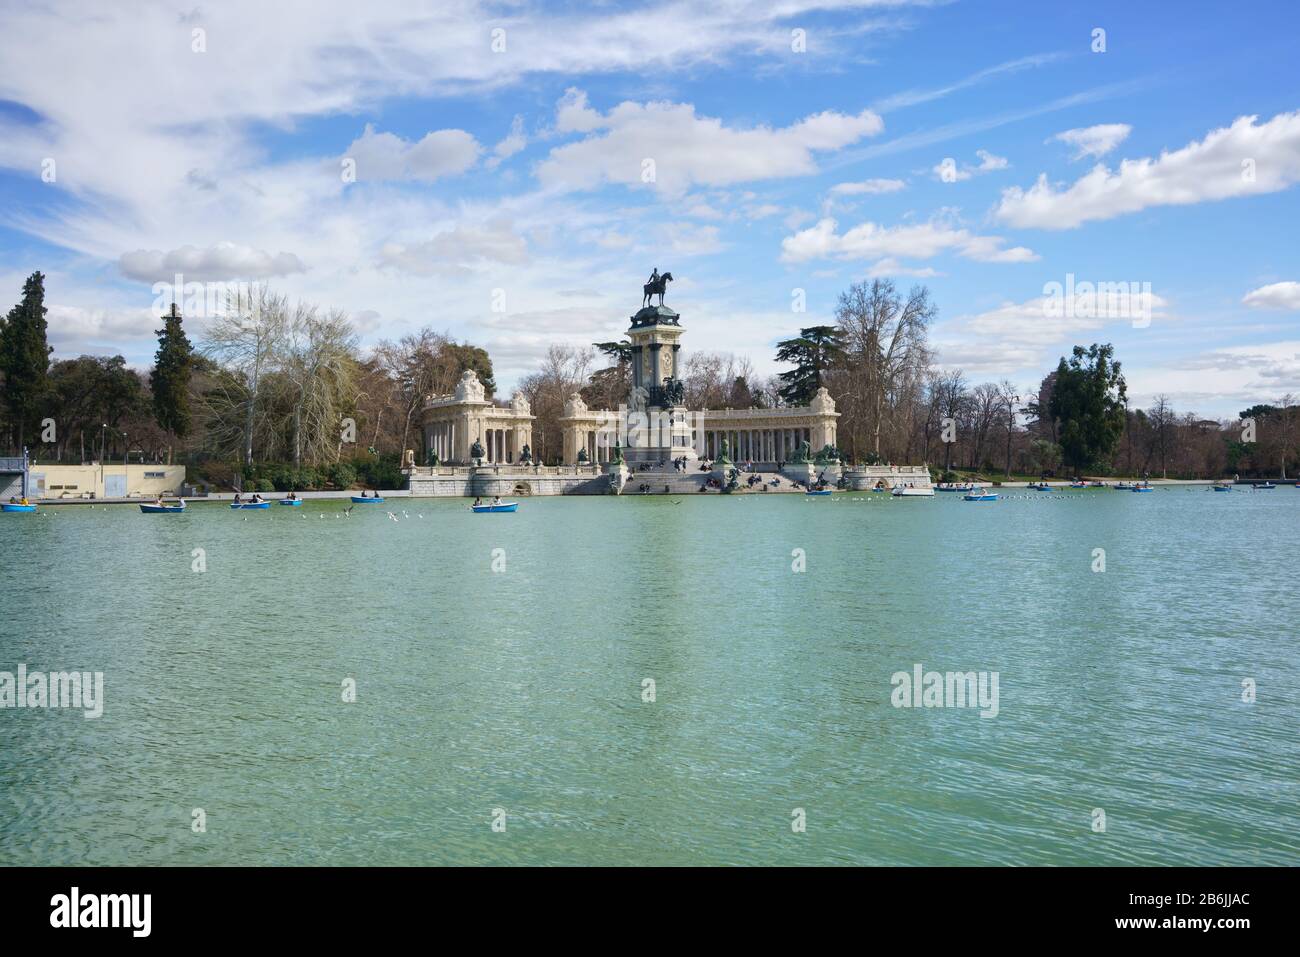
(1087, 402)
(170, 379)
(816, 349)
(25, 359)
(474, 357)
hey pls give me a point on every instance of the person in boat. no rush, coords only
(478, 500)
(237, 498)
(496, 499)
(292, 496)
(158, 500)
(180, 501)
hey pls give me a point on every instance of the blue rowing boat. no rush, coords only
(250, 504)
(1143, 488)
(13, 507)
(503, 507)
(979, 495)
(161, 509)
(365, 500)
(1223, 488)
(291, 501)
(818, 491)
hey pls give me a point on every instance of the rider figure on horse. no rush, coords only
(656, 284)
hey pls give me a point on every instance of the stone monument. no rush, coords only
(658, 428)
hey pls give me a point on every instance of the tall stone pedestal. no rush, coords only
(799, 472)
(658, 426)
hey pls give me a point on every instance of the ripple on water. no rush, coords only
(522, 690)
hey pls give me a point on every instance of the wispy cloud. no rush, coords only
(907, 98)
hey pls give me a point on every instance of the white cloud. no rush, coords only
(691, 239)
(613, 239)
(989, 162)
(1094, 141)
(79, 330)
(1244, 159)
(1278, 295)
(574, 115)
(1029, 335)
(890, 267)
(868, 187)
(220, 261)
(914, 97)
(665, 145)
(702, 210)
(385, 156)
(921, 241)
(458, 251)
(948, 171)
(514, 141)
(1228, 379)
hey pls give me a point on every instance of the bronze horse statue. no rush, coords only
(660, 286)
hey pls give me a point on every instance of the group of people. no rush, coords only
(478, 500)
(251, 500)
(19, 501)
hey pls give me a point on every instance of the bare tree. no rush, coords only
(1009, 398)
(419, 366)
(564, 371)
(247, 338)
(319, 366)
(1163, 422)
(886, 351)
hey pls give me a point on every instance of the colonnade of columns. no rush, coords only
(597, 451)
(499, 446)
(759, 445)
(442, 438)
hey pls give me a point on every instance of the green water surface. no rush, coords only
(521, 688)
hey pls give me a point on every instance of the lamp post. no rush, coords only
(103, 450)
(126, 470)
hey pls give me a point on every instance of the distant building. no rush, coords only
(54, 481)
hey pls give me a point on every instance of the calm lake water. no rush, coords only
(521, 689)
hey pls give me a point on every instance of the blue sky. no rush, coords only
(500, 194)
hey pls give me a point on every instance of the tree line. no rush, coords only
(279, 392)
